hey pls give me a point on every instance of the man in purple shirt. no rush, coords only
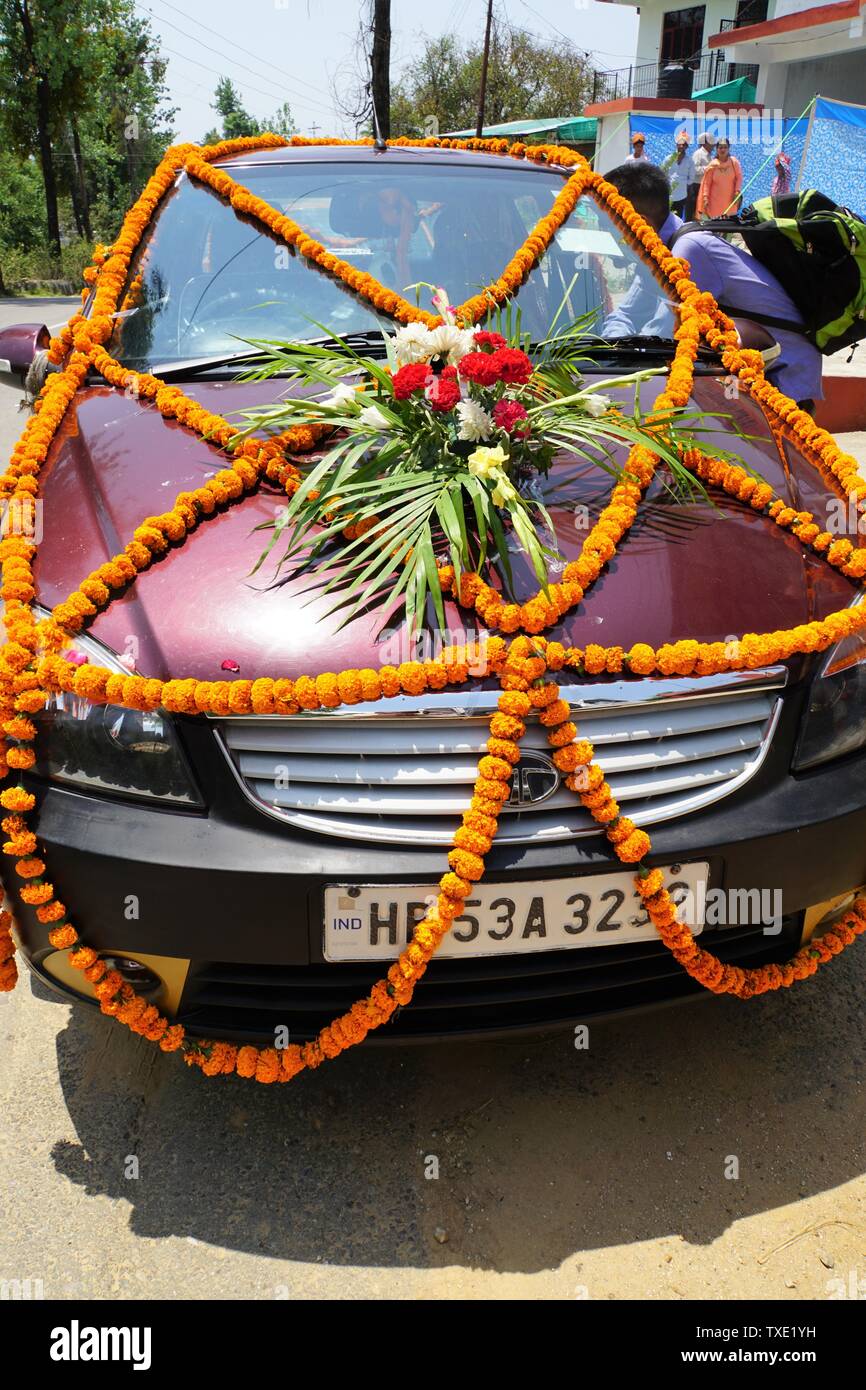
(737, 281)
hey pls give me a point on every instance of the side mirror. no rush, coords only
(19, 344)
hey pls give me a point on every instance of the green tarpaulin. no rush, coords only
(579, 130)
(739, 89)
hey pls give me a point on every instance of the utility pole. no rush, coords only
(380, 66)
(482, 90)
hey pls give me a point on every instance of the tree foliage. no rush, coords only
(83, 109)
(527, 78)
(237, 121)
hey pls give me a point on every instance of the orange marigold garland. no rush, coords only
(632, 845)
(27, 678)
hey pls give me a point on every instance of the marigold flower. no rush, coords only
(17, 799)
(62, 937)
(21, 844)
(51, 912)
(35, 893)
(30, 868)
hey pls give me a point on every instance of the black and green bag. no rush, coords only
(817, 252)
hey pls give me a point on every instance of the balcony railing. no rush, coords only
(654, 79)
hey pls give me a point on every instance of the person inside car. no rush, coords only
(735, 278)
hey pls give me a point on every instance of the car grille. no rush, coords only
(401, 771)
(463, 997)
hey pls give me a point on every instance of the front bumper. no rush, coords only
(230, 902)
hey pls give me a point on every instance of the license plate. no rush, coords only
(375, 921)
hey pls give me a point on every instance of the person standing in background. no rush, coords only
(782, 179)
(700, 159)
(736, 279)
(638, 150)
(721, 185)
(678, 167)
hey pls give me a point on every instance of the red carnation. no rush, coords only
(448, 373)
(442, 393)
(491, 340)
(511, 416)
(479, 367)
(411, 378)
(511, 365)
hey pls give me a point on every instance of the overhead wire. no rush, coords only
(281, 91)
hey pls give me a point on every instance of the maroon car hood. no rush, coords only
(685, 570)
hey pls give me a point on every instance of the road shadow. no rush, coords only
(542, 1148)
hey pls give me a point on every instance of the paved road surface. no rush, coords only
(562, 1173)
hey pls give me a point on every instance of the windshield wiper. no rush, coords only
(650, 344)
(366, 339)
(167, 370)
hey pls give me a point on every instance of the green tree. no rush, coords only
(237, 121)
(282, 122)
(41, 81)
(81, 90)
(22, 207)
(120, 134)
(527, 78)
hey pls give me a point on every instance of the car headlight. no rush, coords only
(835, 722)
(108, 749)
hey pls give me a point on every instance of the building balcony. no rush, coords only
(676, 79)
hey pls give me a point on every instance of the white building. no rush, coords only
(791, 50)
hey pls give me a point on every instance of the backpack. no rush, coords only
(817, 252)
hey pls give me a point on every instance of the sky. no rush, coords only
(297, 50)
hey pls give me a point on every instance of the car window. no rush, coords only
(206, 279)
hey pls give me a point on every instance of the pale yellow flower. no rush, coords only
(503, 492)
(484, 461)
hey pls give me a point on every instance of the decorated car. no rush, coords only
(392, 671)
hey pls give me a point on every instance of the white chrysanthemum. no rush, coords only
(412, 344)
(372, 416)
(594, 405)
(451, 342)
(341, 395)
(475, 423)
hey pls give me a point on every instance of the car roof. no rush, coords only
(367, 154)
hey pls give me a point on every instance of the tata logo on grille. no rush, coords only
(534, 779)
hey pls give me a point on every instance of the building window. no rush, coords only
(750, 12)
(682, 34)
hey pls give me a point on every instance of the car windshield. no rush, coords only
(205, 278)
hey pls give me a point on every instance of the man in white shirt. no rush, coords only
(638, 151)
(700, 159)
(679, 169)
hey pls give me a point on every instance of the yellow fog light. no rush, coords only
(822, 915)
(159, 978)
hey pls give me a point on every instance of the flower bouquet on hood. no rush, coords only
(437, 448)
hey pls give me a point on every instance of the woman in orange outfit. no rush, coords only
(721, 185)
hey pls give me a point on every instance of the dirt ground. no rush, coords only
(562, 1173)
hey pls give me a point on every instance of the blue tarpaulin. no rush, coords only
(835, 158)
(826, 147)
(753, 141)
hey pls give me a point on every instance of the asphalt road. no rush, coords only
(562, 1173)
